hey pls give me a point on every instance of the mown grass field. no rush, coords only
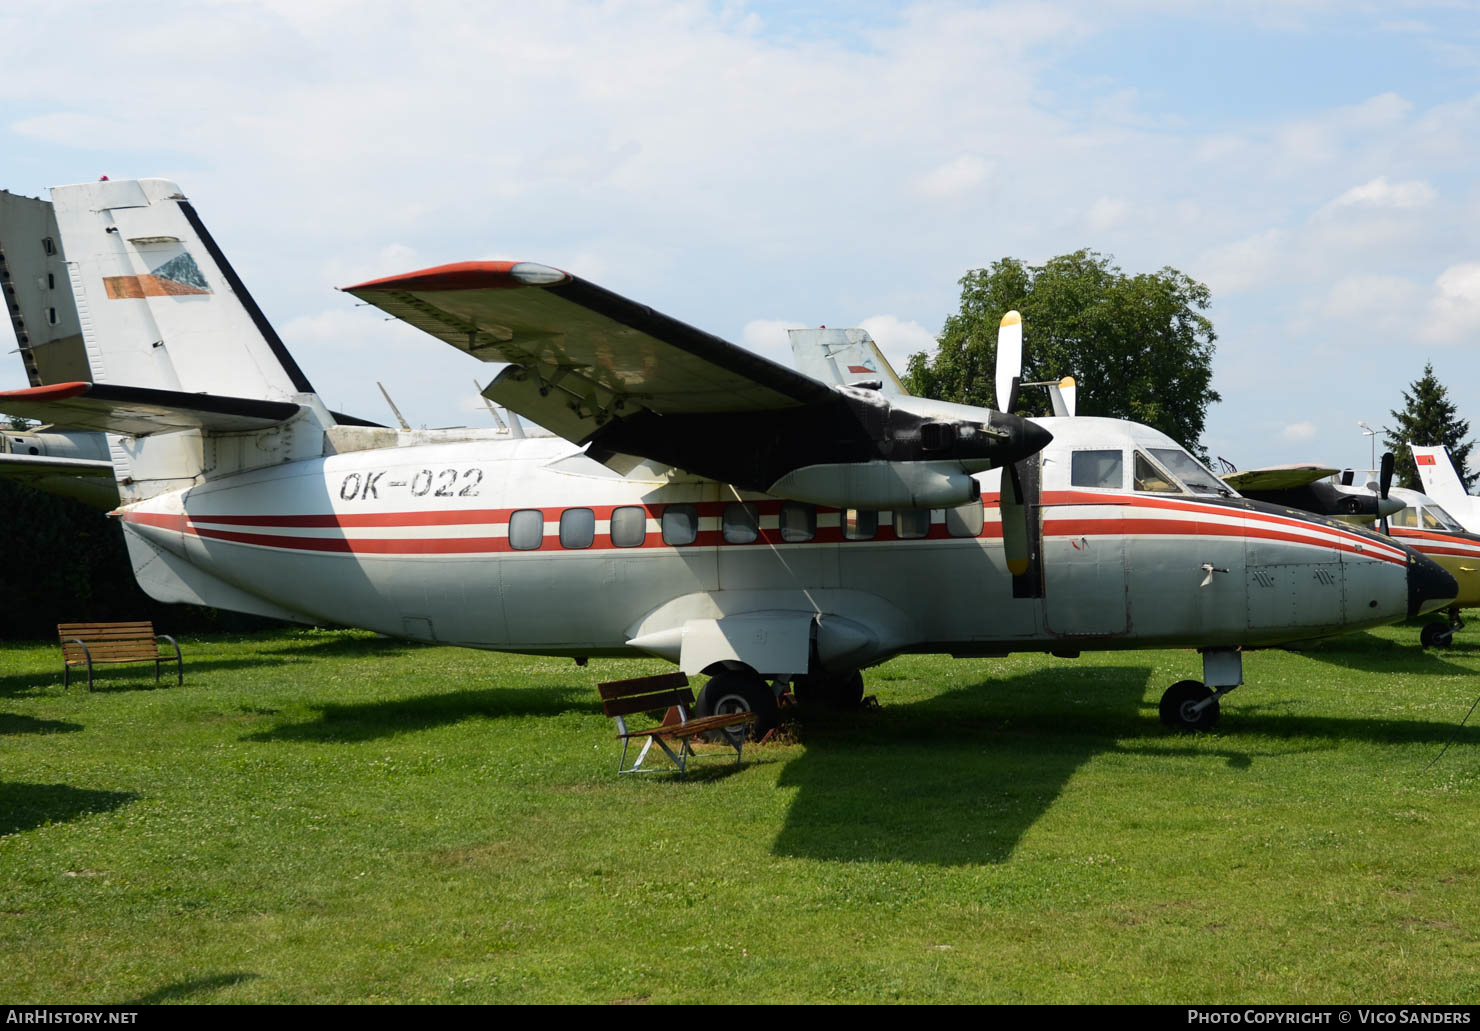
(332, 817)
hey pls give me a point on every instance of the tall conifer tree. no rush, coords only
(1428, 419)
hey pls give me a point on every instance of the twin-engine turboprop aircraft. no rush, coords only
(706, 505)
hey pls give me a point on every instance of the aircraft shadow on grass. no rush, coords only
(371, 720)
(1372, 654)
(959, 779)
(26, 806)
(196, 986)
(14, 723)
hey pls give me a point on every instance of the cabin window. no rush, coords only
(798, 522)
(680, 524)
(741, 522)
(1405, 517)
(1151, 479)
(910, 526)
(577, 528)
(526, 529)
(965, 520)
(860, 524)
(629, 526)
(1102, 469)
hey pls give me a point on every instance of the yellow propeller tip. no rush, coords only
(1012, 318)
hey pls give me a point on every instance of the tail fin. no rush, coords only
(843, 357)
(159, 304)
(1440, 480)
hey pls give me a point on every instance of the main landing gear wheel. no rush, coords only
(736, 691)
(1178, 706)
(835, 691)
(1436, 635)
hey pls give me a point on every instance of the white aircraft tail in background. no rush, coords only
(1442, 483)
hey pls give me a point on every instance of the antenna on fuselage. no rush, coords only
(394, 410)
(515, 428)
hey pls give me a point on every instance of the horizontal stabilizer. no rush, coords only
(141, 411)
(88, 480)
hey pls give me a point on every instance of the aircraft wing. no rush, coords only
(85, 479)
(583, 354)
(140, 411)
(1277, 477)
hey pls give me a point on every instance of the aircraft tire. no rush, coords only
(1436, 635)
(838, 691)
(737, 691)
(1179, 698)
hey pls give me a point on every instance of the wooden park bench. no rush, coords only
(670, 692)
(91, 643)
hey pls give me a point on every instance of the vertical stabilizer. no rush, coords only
(1442, 483)
(159, 304)
(843, 357)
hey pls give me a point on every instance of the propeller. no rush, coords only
(1385, 484)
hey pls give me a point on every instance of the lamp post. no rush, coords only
(1368, 431)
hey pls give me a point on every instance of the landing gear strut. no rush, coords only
(1191, 705)
(733, 691)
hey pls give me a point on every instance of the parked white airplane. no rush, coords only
(705, 505)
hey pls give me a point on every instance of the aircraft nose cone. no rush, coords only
(1429, 586)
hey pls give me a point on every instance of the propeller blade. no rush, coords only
(1385, 483)
(1014, 522)
(1009, 360)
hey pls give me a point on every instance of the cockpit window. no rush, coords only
(1435, 518)
(1404, 517)
(1190, 471)
(1102, 469)
(1152, 479)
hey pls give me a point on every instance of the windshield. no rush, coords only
(1435, 518)
(1190, 471)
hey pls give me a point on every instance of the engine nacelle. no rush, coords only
(879, 485)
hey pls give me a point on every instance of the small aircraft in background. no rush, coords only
(700, 503)
(1426, 527)
(1319, 489)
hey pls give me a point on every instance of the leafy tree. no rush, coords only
(1138, 345)
(1428, 419)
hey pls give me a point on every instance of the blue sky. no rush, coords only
(749, 166)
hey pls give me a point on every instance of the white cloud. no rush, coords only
(1454, 311)
(1107, 213)
(956, 177)
(1299, 431)
(768, 337)
(1245, 264)
(1379, 193)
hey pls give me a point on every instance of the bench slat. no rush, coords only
(642, 685)
(648, 703)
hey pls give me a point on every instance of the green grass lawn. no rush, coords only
(333, 817)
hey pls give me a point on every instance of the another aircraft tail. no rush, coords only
(185, 373)
(1440, 480)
